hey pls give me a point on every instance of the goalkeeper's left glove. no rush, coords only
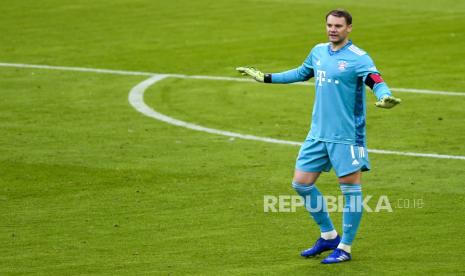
(388, 102)
(252, 72)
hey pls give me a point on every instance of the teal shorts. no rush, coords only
(318, 156)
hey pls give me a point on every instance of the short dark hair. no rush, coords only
(341, 13)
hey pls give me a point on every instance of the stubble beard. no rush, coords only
(337, 42)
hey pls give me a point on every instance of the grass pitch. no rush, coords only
(90, 186)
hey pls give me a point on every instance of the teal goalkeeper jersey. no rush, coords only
(339, 111)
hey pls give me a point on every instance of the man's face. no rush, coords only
(337, 29)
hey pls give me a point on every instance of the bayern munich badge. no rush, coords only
(341, 65)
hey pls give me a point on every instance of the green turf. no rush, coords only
(89, 186)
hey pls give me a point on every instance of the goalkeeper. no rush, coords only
(337, 138)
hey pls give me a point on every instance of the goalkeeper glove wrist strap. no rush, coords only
(267, 78)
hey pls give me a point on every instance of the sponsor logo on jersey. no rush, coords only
(320, 77)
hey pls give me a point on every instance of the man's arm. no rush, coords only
(301, 73)
(381, 90)
(367, 69)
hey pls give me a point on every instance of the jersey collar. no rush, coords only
(331, 52)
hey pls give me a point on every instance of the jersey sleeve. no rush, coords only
(371, 76)
(366, 66)
(302, 73)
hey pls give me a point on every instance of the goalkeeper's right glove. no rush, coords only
(252, 72)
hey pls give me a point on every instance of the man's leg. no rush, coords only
(348, 161)
(352, 214)
(303, 183)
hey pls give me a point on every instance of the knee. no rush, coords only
(301, 181)
(305, 178)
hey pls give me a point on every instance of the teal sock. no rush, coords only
(315, 204)
(352, 213)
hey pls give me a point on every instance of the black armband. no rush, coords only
(372, 79)
(267, 78)
(312, 74)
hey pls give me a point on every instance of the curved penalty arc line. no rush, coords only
(136, 99)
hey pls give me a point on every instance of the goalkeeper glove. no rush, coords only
(388, 102)
(252, 72)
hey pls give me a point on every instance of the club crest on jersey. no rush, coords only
(342, 65)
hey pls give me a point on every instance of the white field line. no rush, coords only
(136, 99)
(137, 73)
